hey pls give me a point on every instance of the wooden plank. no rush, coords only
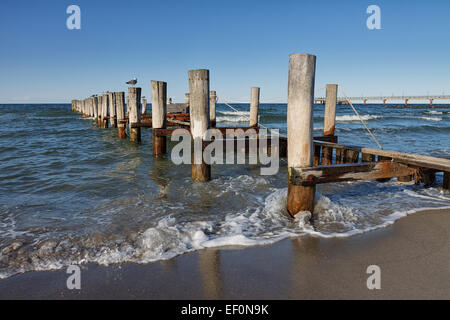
(439, 164)
(182, 123)
(168, 132)
(140, 125)
(332, 139)
(176, 108)
(349, 172)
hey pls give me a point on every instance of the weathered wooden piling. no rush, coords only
(90, 107)
(100, 111)
(254, 105)
(199, 115)
(144, 106)
(134, 113)
(104, 114)
(83, 106)
(300, 129)
(159, 113)
(212, 109)
(120, 110)
(95, 106)
(112, 110)
(329, 121)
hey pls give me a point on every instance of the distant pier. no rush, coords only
(386, 99)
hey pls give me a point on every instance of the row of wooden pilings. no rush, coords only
(202, 105)
(200, 101)
(304, 149)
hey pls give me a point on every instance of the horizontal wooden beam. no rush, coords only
(349, 172)
(439, 164)
(223, 130)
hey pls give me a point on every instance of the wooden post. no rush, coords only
(329, 121)
(120, 110)
(104, 111)
(446, 181)
(112, 110)
(365, 157)
(351, 156)
(100, 112)
(84, 107)
(317, 149)
(91, 107)
(144, 106)
(428, 177)
(159, 113)
(302, 69)
(254, 105)
(381, 158)
(95, 104)
(212, 109)
(186, 101)
(199, 114)
(134, 113)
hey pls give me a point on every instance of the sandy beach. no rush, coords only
(413, 255)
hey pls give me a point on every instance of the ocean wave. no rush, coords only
(264, 221)
(434, 112)
(349, 118)
(233, 119)
(431, 118)
(235, 113)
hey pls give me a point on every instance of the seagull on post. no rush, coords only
(132, 82)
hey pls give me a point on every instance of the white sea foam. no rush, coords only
(233, 119)
(434, 112)
(354, 117)
(233, 116)
(431, 118)
(235, 113)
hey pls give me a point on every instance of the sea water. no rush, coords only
(71, 193)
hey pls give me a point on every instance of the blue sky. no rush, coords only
(244, 43)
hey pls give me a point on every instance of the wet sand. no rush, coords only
(413, 254)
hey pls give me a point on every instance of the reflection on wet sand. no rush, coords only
(212, 279)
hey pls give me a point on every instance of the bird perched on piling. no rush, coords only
(132, 82)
